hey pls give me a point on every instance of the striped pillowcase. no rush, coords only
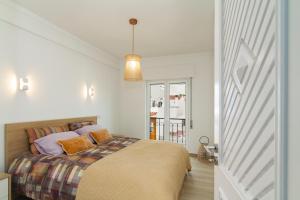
(36, 133)
(76, 125)
(34, 150)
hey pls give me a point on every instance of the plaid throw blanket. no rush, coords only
(57, 177)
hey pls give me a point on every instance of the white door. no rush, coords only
(168, 111)
(249, 100)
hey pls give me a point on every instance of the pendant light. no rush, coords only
(133, 70)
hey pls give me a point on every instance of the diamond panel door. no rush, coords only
(248, 79)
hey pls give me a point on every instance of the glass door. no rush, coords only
(157, 111)
(168, 111)
(177, 112)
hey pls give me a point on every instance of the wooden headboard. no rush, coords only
(16, 140)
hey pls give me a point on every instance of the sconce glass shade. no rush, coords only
(24, 84)
(133, 71)
(92, 92)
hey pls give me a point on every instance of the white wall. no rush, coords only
(293, 102)
(59, 65)
(199, 66)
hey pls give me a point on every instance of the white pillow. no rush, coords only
(48, 144)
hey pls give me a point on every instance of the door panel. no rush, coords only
(177, 112)
(247, 81)
(157, 111)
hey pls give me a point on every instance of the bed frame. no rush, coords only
(16, 140)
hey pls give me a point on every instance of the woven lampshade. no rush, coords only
(133, 70)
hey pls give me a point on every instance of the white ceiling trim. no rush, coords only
(176, 60)
(21, 18)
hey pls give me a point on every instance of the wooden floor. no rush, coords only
(199, 184)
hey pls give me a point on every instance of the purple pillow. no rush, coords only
(48, 144)
(87, 129)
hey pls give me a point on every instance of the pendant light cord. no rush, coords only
(132, 40)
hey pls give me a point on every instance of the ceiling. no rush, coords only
(165, 27)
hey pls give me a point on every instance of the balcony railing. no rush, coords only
(176, 133)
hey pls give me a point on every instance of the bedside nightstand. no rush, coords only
(5, 181)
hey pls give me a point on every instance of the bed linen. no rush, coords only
(57, 177)
(144, 170)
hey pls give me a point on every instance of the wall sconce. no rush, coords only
(92, 92)
(24, 84)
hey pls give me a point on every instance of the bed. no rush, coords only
(121, 168)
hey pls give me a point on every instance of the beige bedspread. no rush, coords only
(146, 170)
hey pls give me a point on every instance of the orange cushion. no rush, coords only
(75, 145)
(101, 136)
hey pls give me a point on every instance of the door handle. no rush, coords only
(213, 154)
(216, 155)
